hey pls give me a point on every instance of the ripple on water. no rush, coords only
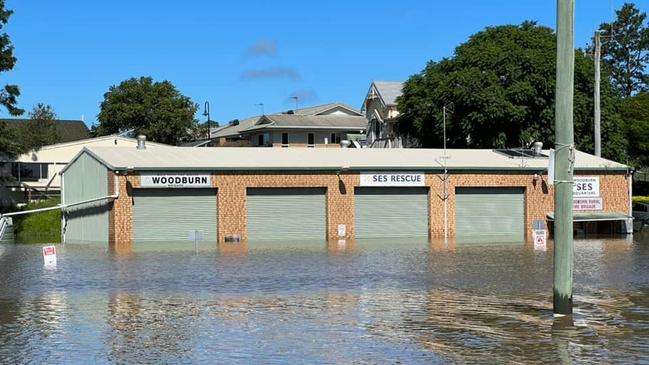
(411, 304)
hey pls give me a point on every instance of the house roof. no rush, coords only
(296, 121)
(235, 130)
(388, 91)
(323, 109)
(65, 151)
(68, 130)
(336, 159)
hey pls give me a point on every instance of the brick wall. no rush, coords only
(340, 198)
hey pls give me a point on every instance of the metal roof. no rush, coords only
(331, 121)
(235, 130)
(389, 91)
(366, 159)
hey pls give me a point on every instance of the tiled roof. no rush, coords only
(334, 121)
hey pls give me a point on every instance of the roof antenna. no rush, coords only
(296, 98)
(262, 108)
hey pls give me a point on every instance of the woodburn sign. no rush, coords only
(175, 181)
(392, 179)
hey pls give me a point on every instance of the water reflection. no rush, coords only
(408, 301)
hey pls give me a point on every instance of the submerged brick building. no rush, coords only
(124, 197)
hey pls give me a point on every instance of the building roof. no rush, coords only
(366, 159)
(65, 151)
(388, 91)
(68, 130)
(325, 109)
(296, 121)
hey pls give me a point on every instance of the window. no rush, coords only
(310, 138)
(29, 171)
(335, 138)
(284, 138)
(260, 140)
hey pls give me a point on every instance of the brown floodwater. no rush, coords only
(390, 301)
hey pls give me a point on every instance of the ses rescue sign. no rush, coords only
(392, 179)
(175, 181)
(585, 187)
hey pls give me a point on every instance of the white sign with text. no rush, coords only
(392, 179)
(585, 186)
(175, 181)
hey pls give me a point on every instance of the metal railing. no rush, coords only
(4, 223)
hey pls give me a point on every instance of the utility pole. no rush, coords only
(209, 123)
(597, 114)
(564, 159)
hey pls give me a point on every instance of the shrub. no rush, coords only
(43, 227)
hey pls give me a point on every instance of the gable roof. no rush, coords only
(386, 91)
(323, 109)
(68, 130)
(296, 121)
(319, 110)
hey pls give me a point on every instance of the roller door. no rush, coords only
(391, 212)
(287, 214)
(490, 215)
(167, 215)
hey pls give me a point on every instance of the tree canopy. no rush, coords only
(9, 94)
(155, 109)
(625, 49)
(502, 84)
(40, 129)
(635, 111)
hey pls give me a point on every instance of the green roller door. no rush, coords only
(490, 215)
(167, 215)
(391, 212)
(287, 214)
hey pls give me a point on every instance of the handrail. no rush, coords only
(58, 206)
(4, 222)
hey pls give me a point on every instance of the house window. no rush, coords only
(29, 171)
(310, 139)
(284, 138)
(335, 138)
(260, 140)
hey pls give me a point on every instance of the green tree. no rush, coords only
(625, 49)
(10, 93)
(40, 129)
(502, 84)
(155, 109)
(635, 111)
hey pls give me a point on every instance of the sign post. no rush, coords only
(195, 235)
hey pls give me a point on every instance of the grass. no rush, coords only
(44, 227)
(638, 199)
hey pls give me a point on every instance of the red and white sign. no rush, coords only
(49, 255)
(587, 204)
(540, 240)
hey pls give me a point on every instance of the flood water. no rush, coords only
(362, 303)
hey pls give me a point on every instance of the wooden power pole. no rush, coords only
(564, 158)
(597, 114)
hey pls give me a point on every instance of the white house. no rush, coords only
(36, 174)
(380, 109)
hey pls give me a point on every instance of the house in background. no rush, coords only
(380, 109)
(319, 126)
(67, 130)
(35, 175)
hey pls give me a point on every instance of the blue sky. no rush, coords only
(236, 54)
